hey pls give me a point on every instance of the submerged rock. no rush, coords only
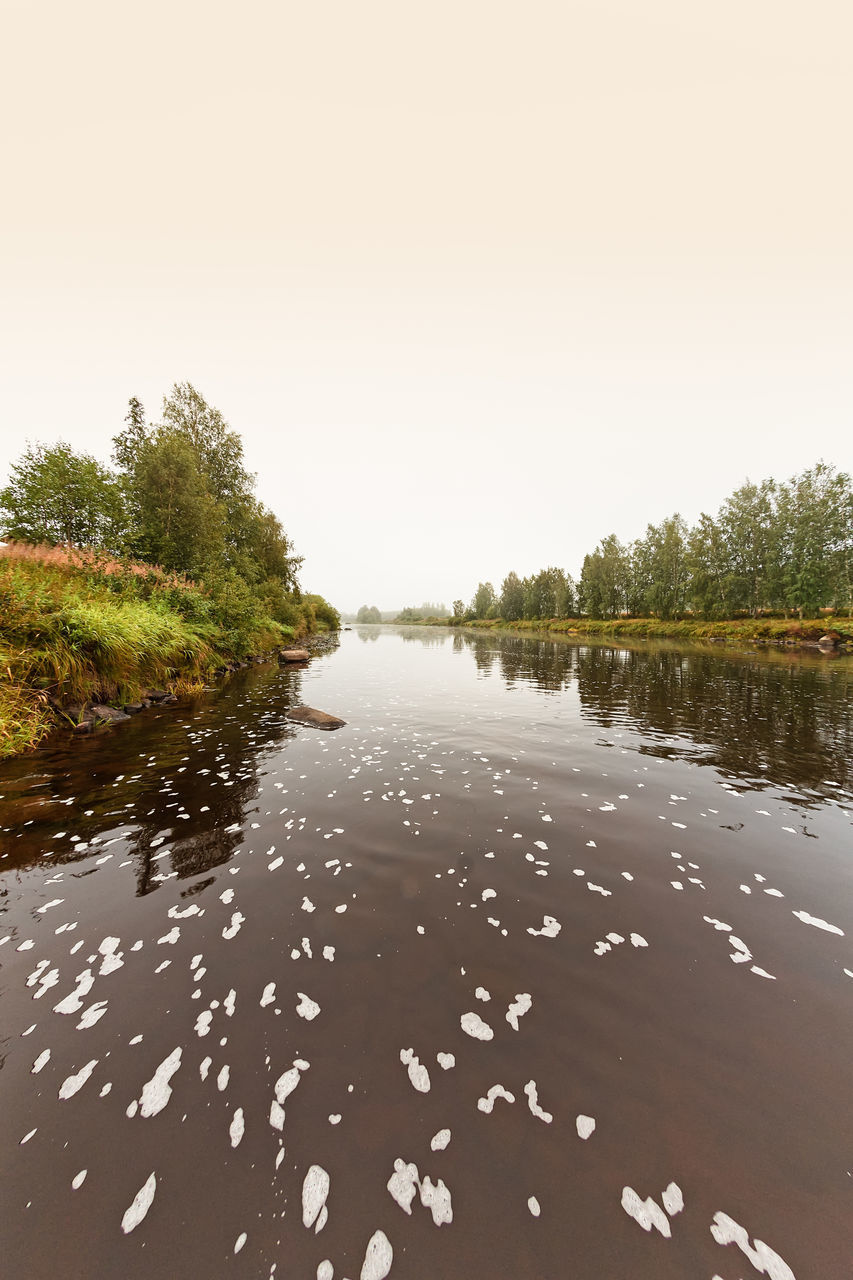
(108, 714)
(293, 655)
(319, 719)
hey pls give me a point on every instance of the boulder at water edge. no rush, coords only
(319, 719)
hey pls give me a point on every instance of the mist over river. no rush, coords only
(542, 966)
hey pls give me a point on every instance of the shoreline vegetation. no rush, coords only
(774, 565)
(835, 632)
(138, 583)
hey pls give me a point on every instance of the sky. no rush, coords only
(477, 282)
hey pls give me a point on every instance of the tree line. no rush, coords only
(177, 495)
(783, 547)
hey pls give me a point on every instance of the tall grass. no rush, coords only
(70, 633)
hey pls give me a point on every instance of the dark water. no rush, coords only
(634, 866)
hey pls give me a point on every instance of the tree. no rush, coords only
(666, 547)
(816, 532)
(56, 495)
(458, 608)
(484, 604)
(368, 614)
(748, 525)
(180, 525)
(511, 603)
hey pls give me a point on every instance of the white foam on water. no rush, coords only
(240, 1241)
(27, 1136)
(286, 1083)
(473, 1025)
(418, 1074)
(533, 1102)
(307, 1008)
(157, 1091)
(440, 1140)
(227, 896)
(276, 1115)
(175, 914)
(765, 1260)
(522, 1004)
(540, 844)
(237, 1128)
(92, 1015)
(307, 904)
(488, 893)
(585, 1126)
(487, 1103)
(204, 1067)
(817, 922)
(637, 940)
(78, 1179)
(378, 1257)
(202, 1022)
(741, 953)
(762, 973)
(315, 1193)
(40, 1061)
(437, 1199)
(171, 937)
(533, 1206)
(74, 1002)
(719, 925)
(233, 928)
(329, 954)
(550, 928)
(229, 1003)
(142, 1202)
(673, 1200)
(646, 1212)
(343, 906)
(275, 864)
(482, 994)
(73, 1084)
(325, 1271)
(403, 1184)
(222, 1078)
(448, 1060)
(269, 995)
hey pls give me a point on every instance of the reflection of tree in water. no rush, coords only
(521, 659)
(429, 637)
(137, 779)
(786, 720)
(367, 633)
(245, 723)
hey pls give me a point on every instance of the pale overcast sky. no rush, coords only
(478, 282)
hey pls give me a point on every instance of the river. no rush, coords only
(539, 967)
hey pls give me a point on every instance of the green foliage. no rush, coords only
(55, 495)
(771, 548)
(368, 613)
(159, 568)
(421, 612)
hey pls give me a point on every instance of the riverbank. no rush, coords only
(781, 631)
(81, 634)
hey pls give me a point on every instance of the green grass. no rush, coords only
(776, 630)
(72, 633)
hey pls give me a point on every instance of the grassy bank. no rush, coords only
(79, 628)
(768, 630)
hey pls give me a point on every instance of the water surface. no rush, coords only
(540, 967)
